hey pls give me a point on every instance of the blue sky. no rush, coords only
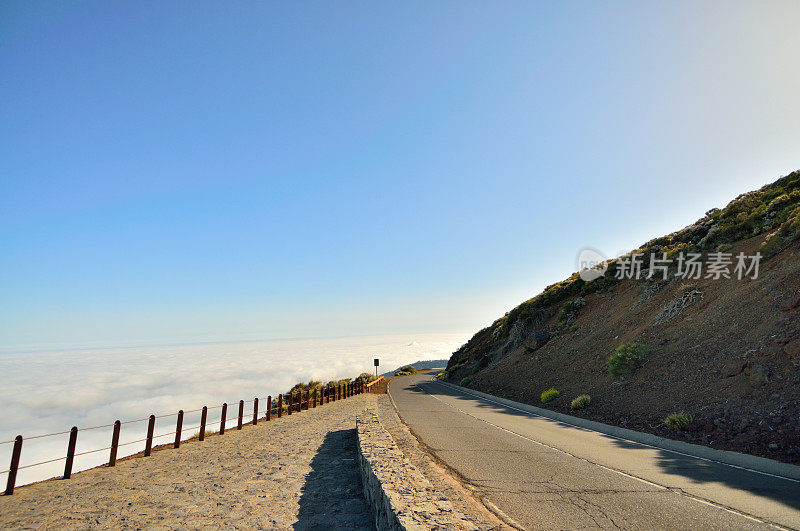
(198, 171)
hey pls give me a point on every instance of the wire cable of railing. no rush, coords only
(93, 451)
(43, 435)
(42, 463)
(272, 407)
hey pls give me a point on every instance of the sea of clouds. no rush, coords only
(51, 391)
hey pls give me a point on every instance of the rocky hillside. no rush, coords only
(726, 351)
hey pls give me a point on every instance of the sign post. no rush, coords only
(377, 362)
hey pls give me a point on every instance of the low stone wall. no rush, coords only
(399, 494)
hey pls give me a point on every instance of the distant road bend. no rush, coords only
(539, 473)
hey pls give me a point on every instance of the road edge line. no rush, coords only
(754, 463)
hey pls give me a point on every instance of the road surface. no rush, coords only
(539, 473)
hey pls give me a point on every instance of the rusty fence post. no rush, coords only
(222, 419)
(178, 430)
(203, 416)
(151, 426)
(73, 440)
(315, 398)
(255, 411)
(12, 470)
(241, 414)
(289, 405)
(280, 405)
(269, 407)
(112, 458)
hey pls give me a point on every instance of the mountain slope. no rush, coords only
(727, 351)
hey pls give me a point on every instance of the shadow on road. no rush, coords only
(782, 490)
(332, 496)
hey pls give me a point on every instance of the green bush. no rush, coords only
(581, 402)
(465, 381)
(405, 371)
(678, 421)
(550, 395)
(626, 358)
(570, 311)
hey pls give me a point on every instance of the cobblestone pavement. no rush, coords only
(296, 472)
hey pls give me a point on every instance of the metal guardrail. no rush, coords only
(284, 404)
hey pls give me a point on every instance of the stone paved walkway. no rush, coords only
(297, 472)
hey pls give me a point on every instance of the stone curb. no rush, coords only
(752, 462)
(400, 496)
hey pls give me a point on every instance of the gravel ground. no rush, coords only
(297, 472)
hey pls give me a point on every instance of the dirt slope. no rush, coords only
(726, 351)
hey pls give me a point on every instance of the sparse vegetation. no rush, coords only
(773, 210)
(626, 358)
(465, 381)
(689, 295)
(682, 321)
(678, 421)
(550, 395)
(581, 402)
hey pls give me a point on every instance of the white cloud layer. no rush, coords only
(46, 392)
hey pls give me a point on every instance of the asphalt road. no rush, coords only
(540, 473)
